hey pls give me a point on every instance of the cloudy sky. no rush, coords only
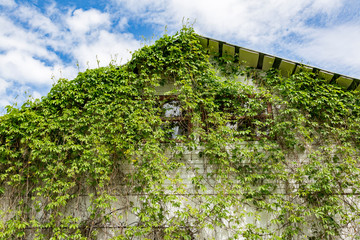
(43, 40)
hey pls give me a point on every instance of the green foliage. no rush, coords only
(99, 150)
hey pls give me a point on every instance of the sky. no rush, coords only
(42, 41)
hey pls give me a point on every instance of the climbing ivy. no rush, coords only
(98, 155)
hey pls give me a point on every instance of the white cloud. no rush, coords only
(3, 86)
(23, 68)
(4, 100)
(82, 22)
(37, 21)
(123, 23)
(7, 3)
(334, 48)
(106, 48)
(13, 37)
(81, 35)
(258, 21)
(93, 43)
(328, 6)
(142, 6)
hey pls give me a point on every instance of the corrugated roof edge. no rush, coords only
(265, 61)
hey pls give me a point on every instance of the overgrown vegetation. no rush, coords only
(98, 154)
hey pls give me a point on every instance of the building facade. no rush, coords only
(194, 138)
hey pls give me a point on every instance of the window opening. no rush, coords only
(241, 120)
(174, 117)
(177, 122)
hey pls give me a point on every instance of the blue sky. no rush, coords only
(41, 41)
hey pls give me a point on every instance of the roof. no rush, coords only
(264, 61)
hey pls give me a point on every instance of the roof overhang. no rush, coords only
(264, 61)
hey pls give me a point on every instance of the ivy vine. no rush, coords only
(97, 158)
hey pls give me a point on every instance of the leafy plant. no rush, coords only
(95, 154)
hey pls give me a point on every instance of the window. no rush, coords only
(249, 124)
(176, 121)
(247, 115)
